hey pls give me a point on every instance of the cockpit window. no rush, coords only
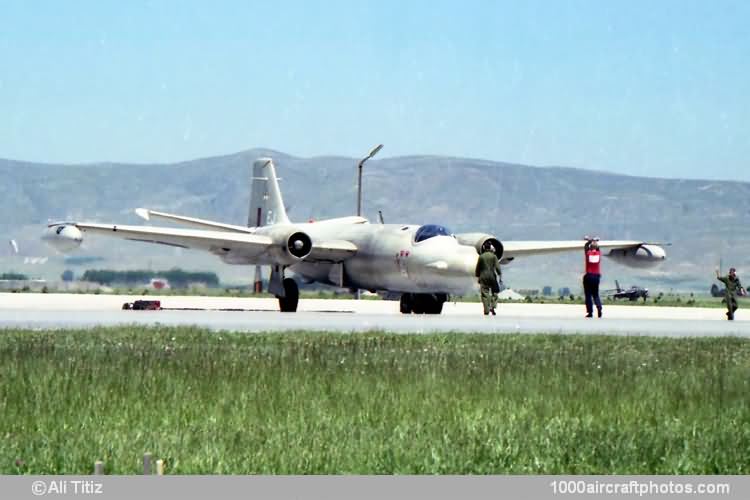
(429, 230)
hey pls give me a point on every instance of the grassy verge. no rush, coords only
(374, 403)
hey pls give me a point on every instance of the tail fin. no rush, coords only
(617, 286)
(266, 205)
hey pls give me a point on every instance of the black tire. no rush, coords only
(406, 303)
(436, 304)
(427, 303)
(419, 303)
(422, 303)
(290, 302)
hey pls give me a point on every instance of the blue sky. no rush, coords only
(646, 88)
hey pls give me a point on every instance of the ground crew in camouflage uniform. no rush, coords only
(488, 271)
(734, 287)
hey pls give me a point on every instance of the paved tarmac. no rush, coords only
(53, 311)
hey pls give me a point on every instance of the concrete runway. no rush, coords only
(53, 311)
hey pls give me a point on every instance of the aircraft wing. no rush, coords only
(513, 249)
(250, 248)
(212, 241)
(331, 251)
(193, 222)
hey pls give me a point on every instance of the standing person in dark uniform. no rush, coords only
(734, 287)
(488, 271)
(592, 277)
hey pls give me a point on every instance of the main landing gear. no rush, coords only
(285, 289)
(422, 303)
(289, 302)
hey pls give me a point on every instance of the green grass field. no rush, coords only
(304, 403)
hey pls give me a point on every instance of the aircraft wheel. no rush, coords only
(420, 303)
(436, 303)
(406, 303)
(290, 302)
(428, 303)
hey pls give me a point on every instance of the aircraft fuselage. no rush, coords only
(389, 258)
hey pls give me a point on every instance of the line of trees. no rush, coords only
(13, 276)
(177, 277)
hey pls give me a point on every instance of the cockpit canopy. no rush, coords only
(429, 230)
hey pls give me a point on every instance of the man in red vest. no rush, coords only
(592, 277)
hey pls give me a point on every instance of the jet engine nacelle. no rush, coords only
(642, 256)
(477, 240)
(290, 245)
(63, 237)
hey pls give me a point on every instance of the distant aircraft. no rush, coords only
(633, 293)
(424, 264)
